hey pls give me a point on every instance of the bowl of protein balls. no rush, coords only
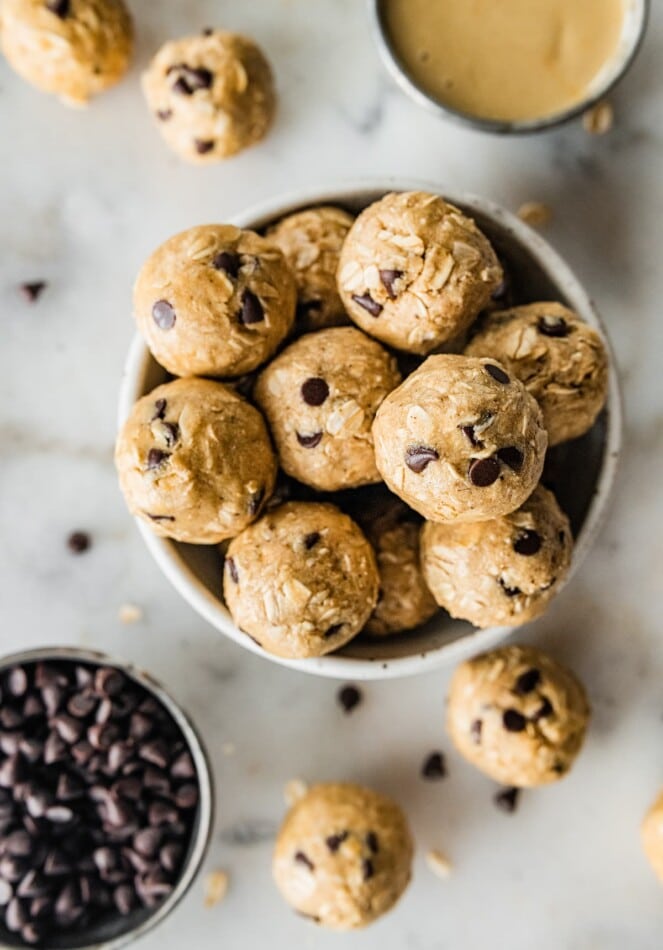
(367, 430)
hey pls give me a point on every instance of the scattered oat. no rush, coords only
(535, 213)
(216, 888)
(294, 791)
(130, 613)
(228, 748)
(438, 863)
(599, 119)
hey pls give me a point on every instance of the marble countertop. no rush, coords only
(84, 197)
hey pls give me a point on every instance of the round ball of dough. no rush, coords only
(343, 855)
(212, 95)
(502, 572)
(73, 49)
(214, 301)
(652, 836)
(517, 715)
(302, 581)
(560, 360)
(415, 271)
(195, 461)
(320, 396)
(460, 440)
(311, 241)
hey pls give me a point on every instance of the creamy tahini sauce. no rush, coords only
(505, 59)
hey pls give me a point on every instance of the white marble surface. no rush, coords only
(83, 198)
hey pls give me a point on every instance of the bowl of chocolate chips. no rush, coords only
(105, 801)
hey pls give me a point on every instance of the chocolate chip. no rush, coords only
(314, 391)
(19, 844)
(68, 728)
(334, 842)
(190, 79)
(372, 842)
(17, 681)
(417, 457)
(311, 540)
(183, 766)
(367, 869)
(544, 710)
(349, 697)
(81, 704)
(509, 591)
(160, 517)
(155, 752)
(156, 458)
(170, 856)
(497, 373)
(527, 681)
(251, 310)
(389, 278)
(434, 766)
(512, 457)
(160, 407)
(483, 472)
(228, 262)
(367, 302)
(475, 731)
(470, 435)
(513, 721)
(203, 146)
(333, 629)
(164, 114)
(78, 542)
(507, 799)
(60, 8)
(109, 682)
(554, 326)
(124, 899)
(309, 441)
(16, 915)
(164, 315)
(232, 570)
(208, 31)
(181, 87)
(527, 543)
(171, 433)
(301, 858)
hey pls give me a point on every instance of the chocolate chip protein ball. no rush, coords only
(517, 715)
(212, 95)
(311, 241)
(195, 461)
(652, 836)
(302, 580)
(502, 572)
(73, 49)
(214, 301)
(460, 440)
(560, 360)
(320, 396)
(343, 856)
(415, 271)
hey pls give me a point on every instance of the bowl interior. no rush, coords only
(579, 472)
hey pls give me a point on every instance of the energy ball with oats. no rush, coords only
(73, 49)
(460, 440)
(214, 301)
(415, 271)
(502, 572)
(212, 95)
(343, 855)
(652, 836)
(195, 461)
(560, 360)
(320, 396)
(302, 580)
(311, 241)
(517, 715)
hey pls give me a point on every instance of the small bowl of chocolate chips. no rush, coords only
(106, 801)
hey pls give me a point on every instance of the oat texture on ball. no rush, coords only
(343, 855)
(320, 396)
(311, 241)
(195, 461)
(560, 359)
(517, 715)
(212, 95)
(73, 49)
(302, 581)
(460, 440)
(214, 300)
(501, 572)
(415, 271)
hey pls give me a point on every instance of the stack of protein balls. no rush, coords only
(305, 376)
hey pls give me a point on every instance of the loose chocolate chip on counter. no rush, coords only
(314, 391)
(367, 302)
(527, 543)
(527, 682)
(512, 457)
(348, 697)
(251, 310)
(434, 766)
(164, 315)
(311, 540)
(164, 114)
(156, 458)
(203, 146)
(389, 278)
(507, 799)
(367, 869)
(232, 570)
(483, 472)
(78, 542)
(33, 290)
(497, 373)
(551, 325)
(228, 262)
(309, 441)
(301, 858)
(417, 457)
(334, 842)
(475, 731)
(544, 710)
(513, 721)
(60, 8)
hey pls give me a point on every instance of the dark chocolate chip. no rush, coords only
(527, 681)
(497, 373)
(68, 728)
(309, 441)
(367, 302)
(551, 325)
(434, 766)
(164, 315)
(156, 458)
(181, 87)
(513, 721)
(228, 262)
(18, 843)
(191, 79)
(17, 681)
(333, 630)
(170, 856)
(301, 858)
(475, 731)
(61, 8)
(507, 799)
(160, 407)
(33, 290)
(160, 517)
(389, 278)
(470, 435)
(367, 869)
(251, 310)
(124, 899)
(483, 472)
(311, 540)
(232, 570)
(186, 796)
(349, 697)
(156, 752)
(147, 841)
(78, 542)
(171, 433)
(544, 710)
(509, 591)
(314, 391)
(81, 704)
(417, 457)
(334, 842)
(164, 114)
(203, 146)
(512, 457)
(16, 915)
(208, 31)
(109, 682)
(372, 842)
(527, 543)
(183, 766)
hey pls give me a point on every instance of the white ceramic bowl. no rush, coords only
(586, 467)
